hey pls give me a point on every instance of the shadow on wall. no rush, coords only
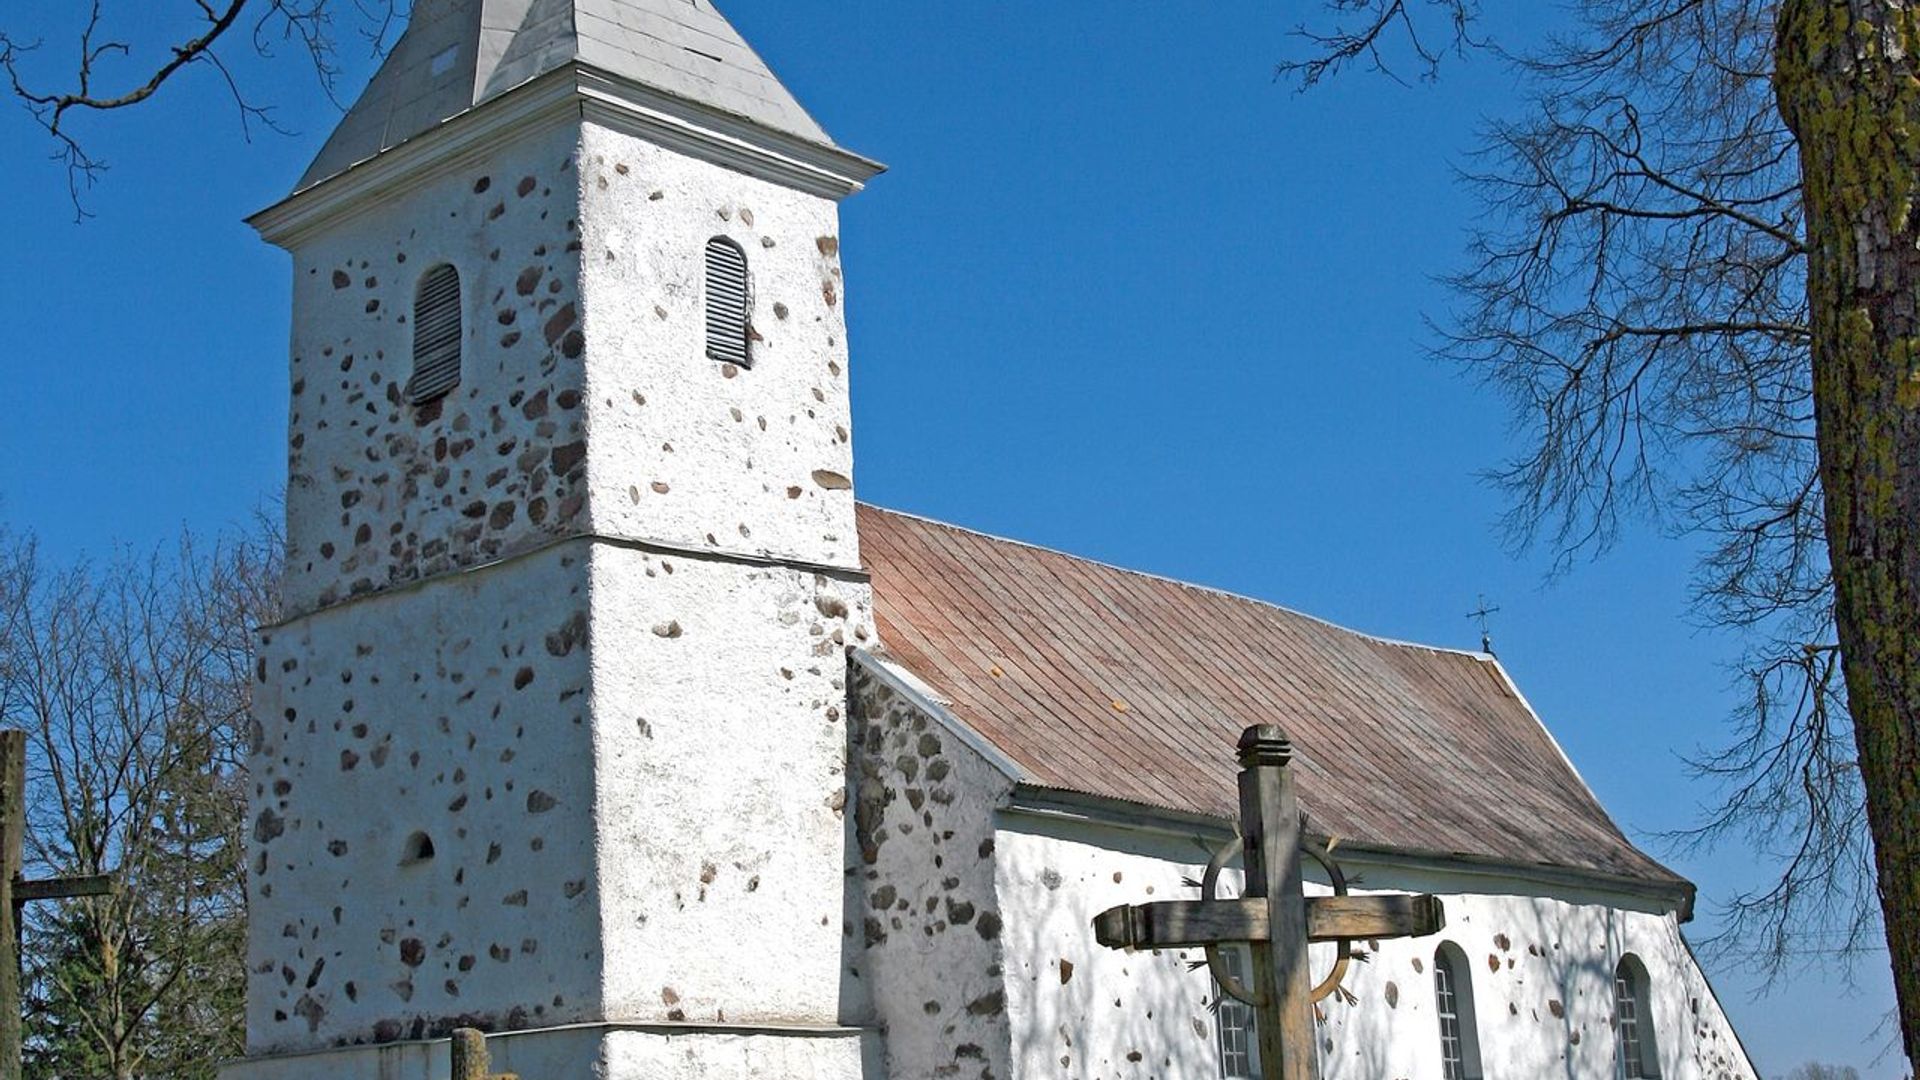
(1077, 1008)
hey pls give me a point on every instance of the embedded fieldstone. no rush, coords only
(559, 323)
(991, 1003)
(568, 457)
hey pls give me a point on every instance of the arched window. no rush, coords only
(436, 335)
(1453, 1003)
(1238, 1043)
(1634, 1053)
(729, 303)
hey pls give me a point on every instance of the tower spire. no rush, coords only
(458, 54)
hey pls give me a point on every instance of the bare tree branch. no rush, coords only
(94, 84)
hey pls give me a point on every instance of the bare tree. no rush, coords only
(1698, 287)
(1815, 1071)
(108, 66)
(132, 681)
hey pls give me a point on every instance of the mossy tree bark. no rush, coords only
(1847, 80)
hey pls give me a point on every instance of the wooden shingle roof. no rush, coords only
(1127, 686)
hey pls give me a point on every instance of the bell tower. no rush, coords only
(551, 740)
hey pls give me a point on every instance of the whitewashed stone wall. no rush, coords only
(686, 449)
(719, 745)
(924, 910)
(583, 623)
(1076, 1009)
(457, 713)
(1542, 970)
(601, 1052)
(380, 493)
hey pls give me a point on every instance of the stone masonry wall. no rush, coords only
(1077, 1009)
(720, 748)
(1541, 969)
(924, 913)
(686, 449)
(422, 844)
(381, 492)
(1541, 972)
(689, 778)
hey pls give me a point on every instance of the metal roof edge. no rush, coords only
(575, 90)
(1514, 688)
(1063, 805)
(903, 681)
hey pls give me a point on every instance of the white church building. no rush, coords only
(604, 719)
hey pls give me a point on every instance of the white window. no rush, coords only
(729, 303)
(436, 335)
(1634, 1053)
(1239, 1047)
(1453, 1004)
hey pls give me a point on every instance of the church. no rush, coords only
(604, 719)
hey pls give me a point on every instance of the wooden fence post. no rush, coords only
(13, 834)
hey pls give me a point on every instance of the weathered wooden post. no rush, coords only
(16, 892)
(1270, 850)
(470, 1058)
(13, 836)
(1273, 916)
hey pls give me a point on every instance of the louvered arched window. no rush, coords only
(436, 335)
(729, 303)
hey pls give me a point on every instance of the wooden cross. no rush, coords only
(16, 892)
(470, 1058)
(1274, 917)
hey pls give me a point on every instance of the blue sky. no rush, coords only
(1121, 294)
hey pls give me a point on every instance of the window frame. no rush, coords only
(429, 381)
(1236, 1042)
(738, 319)
(1450, 964)
(1636, 1053)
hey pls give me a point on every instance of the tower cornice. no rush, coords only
(572, 93)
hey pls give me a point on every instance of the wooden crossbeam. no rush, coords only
(1274, 917)
(16, 892)
(1187, 923)
(25, 891)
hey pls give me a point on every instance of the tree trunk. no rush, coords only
(1847, 79)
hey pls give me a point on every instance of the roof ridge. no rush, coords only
(1195, 586)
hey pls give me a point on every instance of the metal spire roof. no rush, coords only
(457, 54)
